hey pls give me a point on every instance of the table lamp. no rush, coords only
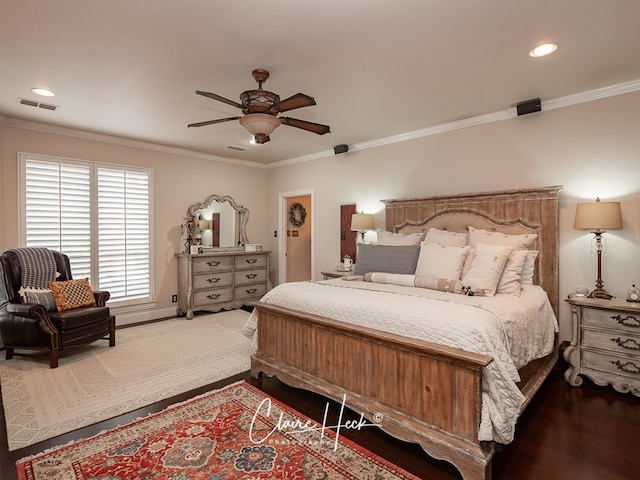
(598, 217)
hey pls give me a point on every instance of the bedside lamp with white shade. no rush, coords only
(362, 222)
(598, 217)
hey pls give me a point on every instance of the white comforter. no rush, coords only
(512, 330)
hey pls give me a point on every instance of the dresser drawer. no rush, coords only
(207, 264)
(212, 280)
(208, 297)
(615, 364)
(250, 291)
(250, 261)
(250, 276)
(615, 341)
(622, 321)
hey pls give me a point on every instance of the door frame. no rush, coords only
(283, 220)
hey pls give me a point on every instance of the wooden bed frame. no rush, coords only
(417, 391)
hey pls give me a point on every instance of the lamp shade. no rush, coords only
(260, 123)
(598, 216)
(362, 221)
(205, 225)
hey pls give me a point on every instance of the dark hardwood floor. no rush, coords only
(585, 433)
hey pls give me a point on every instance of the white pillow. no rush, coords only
(444, 237)
(439, 261)
(486, 267)
(390, 238)
(529, 267)
(523, 241)
(511, 275)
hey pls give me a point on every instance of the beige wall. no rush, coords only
(179, 181)
(593, 149)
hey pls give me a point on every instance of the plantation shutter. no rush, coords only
(57, 207)
(97, 214)
(123, 232)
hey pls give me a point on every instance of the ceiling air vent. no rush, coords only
(237, 147)
(35, 103)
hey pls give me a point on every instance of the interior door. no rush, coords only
(299, 223)
(347, 237)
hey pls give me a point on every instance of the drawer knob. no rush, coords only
(627, 367)
(213, 296)
(213, 279)
(251, 276)
(628, 321)
(214, 263)
(251, 261)
(628, 343)
(251, 290)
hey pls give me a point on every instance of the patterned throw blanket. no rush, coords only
(38, 266)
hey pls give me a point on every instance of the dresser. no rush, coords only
(221, 280)
(606, 343)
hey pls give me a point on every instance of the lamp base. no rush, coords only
(600, 293)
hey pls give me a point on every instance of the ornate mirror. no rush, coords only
(220, 221)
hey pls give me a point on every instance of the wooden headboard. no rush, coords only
(508, 211)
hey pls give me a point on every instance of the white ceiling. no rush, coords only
(377, 68)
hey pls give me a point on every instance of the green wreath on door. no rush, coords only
(297, 214)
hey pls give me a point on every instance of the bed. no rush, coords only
(415, 389)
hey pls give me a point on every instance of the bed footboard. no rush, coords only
(416, 391)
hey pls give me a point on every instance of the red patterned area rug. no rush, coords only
(237, 432)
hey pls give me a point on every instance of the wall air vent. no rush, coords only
(35, 103)
(237, 147)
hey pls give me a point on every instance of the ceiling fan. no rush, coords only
(261, 108)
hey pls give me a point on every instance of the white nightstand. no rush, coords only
(336, 274)
(606, 343)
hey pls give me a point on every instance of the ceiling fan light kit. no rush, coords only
(261, 108)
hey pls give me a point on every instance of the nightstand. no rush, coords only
(606, 343)
(336, 274)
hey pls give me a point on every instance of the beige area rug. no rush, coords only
(149, 363)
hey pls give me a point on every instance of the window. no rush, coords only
(97, 214)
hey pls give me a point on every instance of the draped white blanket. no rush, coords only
(512, 330)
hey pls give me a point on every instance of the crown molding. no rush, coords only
(511, 112)
(560, 102)
(100, 137)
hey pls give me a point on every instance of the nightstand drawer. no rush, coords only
(614, 341)
(618, 365)
(627, 321)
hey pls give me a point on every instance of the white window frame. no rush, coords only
(92, 225)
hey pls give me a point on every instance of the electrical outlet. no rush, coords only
(174, 298)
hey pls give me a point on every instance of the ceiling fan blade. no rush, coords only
(298, 100)
(220, 99)
(211, 122)
(304, 125)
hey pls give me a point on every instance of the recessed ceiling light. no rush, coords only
(544, 49)
(43, 91)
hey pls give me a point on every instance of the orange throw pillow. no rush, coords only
(72, 294)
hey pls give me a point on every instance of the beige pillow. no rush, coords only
(390, 238)
(486, 267)
(529, 268)
(510, 279)
(523, 241)
(438, 261)
(447, 238)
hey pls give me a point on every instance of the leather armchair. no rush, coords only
(30, 326)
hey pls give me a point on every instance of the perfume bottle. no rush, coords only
(633, 294)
